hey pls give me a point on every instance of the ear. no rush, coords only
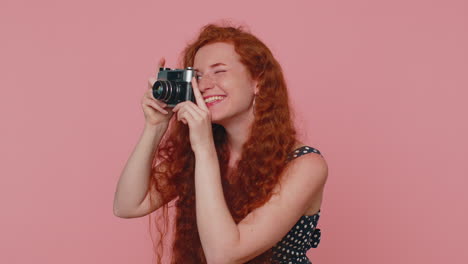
(257, 88)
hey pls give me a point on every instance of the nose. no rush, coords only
(205, 82)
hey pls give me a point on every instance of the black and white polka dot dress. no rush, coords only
(304, 235)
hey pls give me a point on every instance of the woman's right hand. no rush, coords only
(155, 110)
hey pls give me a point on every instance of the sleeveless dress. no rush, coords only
(304, 235)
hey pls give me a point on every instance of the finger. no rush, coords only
(162, 62)
(147, 96)
(196, 111)
(185, 117)
(187, 109)
(180, 110)
(178, 106)
(160, 103)
(181, 105)
(157, 106)
(198, 96)
(151, 82)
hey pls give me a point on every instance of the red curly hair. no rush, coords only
(263, 157)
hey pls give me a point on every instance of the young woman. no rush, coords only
(248, 191)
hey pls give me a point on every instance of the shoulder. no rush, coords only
(300, 183)
(306, 165)
(301, 149)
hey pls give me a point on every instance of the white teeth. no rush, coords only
(214, 98)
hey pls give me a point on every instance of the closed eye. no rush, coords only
(198, 77)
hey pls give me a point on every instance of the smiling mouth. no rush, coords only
(213, 99)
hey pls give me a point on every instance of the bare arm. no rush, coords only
(132, 194)
(132, 197)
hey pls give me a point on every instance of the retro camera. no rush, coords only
(174, 86)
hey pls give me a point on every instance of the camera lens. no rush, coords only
(158, 90)
(165, 91)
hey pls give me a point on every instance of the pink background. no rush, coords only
(379, 86)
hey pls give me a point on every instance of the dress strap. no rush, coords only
(315, 238)
(302, 151)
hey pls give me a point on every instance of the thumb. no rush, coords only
(162, 62)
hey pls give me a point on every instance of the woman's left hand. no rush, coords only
(198, 118)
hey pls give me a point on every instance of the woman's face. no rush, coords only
(224, 82)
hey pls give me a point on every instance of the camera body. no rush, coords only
(174, 86)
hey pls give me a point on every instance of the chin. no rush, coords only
(218, 119)
(217, 115)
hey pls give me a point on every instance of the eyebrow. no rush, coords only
(213, 65)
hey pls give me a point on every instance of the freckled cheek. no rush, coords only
(224, 85)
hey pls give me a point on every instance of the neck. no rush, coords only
(238, 131)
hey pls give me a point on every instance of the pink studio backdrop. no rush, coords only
(378, 86)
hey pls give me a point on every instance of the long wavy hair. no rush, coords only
(263, 157)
